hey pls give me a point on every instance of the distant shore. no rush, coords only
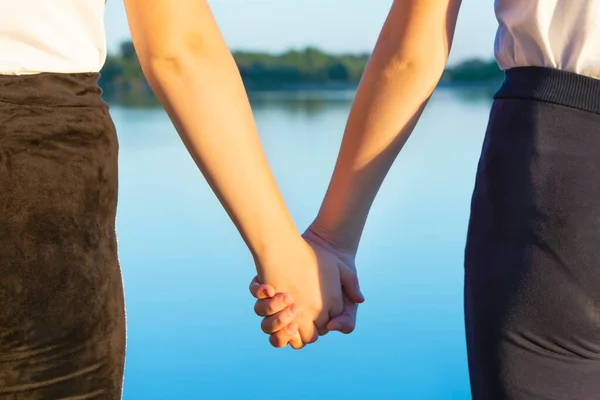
(122, 80)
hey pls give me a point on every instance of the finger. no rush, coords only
(346, 321)
(308, 333)
(296, 341)
(273, 305)
(280, 320)
(282, 337)
(321, 324)
(323, 319)
(350, 283)
(261, 291)
(322, 330)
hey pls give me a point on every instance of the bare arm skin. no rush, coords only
(405, 67)
(193, 74)
(191, 70)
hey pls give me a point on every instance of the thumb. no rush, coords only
(346, 321)
(349, 281)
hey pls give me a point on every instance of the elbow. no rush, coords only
(162, 71)
(423, 59)
(180, 56)
(426, 70)
(157, 66)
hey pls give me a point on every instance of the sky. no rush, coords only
(278, 25)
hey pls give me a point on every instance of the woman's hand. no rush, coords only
(283, 319)
(311, 276)
(279, 312)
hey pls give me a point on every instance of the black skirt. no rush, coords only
(62, 320)
(532, 286)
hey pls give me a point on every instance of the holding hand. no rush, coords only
(332, 298)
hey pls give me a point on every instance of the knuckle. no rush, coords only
(270, 307)
(273, 305)
(281, 319)
(277, 321)
(291, 329)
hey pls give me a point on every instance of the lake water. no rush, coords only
(192, 333)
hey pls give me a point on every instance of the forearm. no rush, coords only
(372, 141)
(205, 98)
(405, 67)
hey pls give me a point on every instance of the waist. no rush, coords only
(552, 86)
(17, 58)
(52, 90)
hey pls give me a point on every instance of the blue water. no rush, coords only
(191, 330)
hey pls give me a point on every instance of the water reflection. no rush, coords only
(308, 103)
(192, 334)
(483, 94)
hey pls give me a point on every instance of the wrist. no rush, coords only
(273, 246)
(340, 239)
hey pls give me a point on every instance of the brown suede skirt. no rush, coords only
(62, 314)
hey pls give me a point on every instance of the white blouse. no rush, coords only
(68, 35)
(65, 36)
(559, 34)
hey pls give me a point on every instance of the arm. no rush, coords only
(193, 74)
(404, 69)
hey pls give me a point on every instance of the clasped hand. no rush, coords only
(306, 290)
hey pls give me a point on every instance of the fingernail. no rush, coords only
(294, 309)
(288, 299)
(362, 296)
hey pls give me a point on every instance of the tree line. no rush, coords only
(122, 77)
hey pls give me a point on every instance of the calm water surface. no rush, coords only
(191, 330)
